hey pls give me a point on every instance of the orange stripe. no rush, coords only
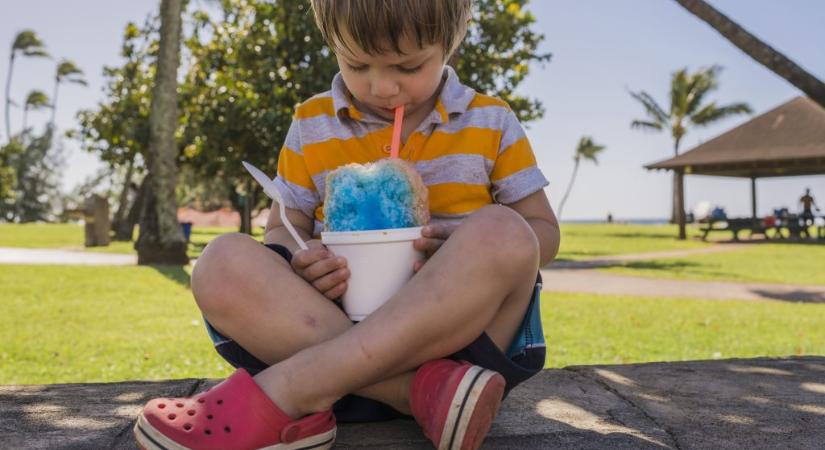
(292, 168)
(315, 107)
(457, 198)
(470, 140)
(481, 100)
(514, 158)
(333, 153)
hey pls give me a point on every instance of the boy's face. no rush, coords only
(381, 82)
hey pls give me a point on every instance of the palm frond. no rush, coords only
(652, 108)
(29, 44)
(712, 113)
(587, 149)
(702, 82)
(36, 99)
(646, 126)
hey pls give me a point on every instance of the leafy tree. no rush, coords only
(37, 167)
(688, 108)
(249, 69)
(8, 176)
(587, 150)
(757, 49)
(160, 240)
(496, 54)
(67, 72)
(28, 44)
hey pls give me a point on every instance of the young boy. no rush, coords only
(459, 335)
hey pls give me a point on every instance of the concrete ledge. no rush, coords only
(727, 404)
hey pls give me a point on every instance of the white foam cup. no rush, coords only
(379, 261)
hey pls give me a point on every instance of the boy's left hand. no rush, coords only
(432, 238)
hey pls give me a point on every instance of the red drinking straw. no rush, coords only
(396, 132)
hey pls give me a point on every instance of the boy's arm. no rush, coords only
(276, 232)
(536, 210)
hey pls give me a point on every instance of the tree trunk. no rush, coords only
(758, 50)
(161, 240)
(120, 225)
(569, 188)
(8, 97)
(674, 198)
(680, 203)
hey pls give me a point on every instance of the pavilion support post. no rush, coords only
(680, 203)
(753, 198)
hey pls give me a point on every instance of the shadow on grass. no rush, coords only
(795, 296)
(174, 273)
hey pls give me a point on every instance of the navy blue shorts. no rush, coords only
(524, 358)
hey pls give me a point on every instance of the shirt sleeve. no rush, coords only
(293, 180)
(515, 174)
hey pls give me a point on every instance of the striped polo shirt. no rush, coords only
(470, 151)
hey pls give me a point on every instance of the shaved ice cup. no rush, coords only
(380, 263)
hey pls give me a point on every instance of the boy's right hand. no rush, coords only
(322, 269)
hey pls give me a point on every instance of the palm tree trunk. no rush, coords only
(757, 49)
(25, 120)
(680, 203)
(677, 187)
(54, 102)
(569, 188)
(8, 96)
(161, 239)
(120, 225)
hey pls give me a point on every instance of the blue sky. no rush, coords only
(601, 48)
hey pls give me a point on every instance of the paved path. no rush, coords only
(10, 255)
(595, 282)
(562, 276)
(727, 404)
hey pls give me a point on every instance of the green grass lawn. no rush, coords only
(93, 324)
(69, 236)
(763, 262)
(586, 241)
(592, 329)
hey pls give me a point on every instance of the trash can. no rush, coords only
(96, 218)
(186, 227)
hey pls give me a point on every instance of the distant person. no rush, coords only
(609, 218)
(808, 205)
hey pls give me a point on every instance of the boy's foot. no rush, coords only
(235, 414)
(455, 402)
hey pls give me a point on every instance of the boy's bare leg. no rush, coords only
(252, 295)
(480, 279)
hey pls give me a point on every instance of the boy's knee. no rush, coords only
(215, 268)
(507, 233)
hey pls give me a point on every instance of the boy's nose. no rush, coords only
(384, 88)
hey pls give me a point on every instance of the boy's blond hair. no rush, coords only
(376, 26)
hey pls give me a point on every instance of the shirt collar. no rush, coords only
(453, 99)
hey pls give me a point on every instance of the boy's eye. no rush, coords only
(411, 69)
(357, 68)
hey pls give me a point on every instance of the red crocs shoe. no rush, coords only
(455, 402)
(235, 414)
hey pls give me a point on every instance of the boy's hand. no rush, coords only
(432, 238)
(322, 269)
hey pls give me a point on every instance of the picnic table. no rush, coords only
(734, 225)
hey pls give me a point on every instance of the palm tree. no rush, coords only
(588, 150)
(35, 100)
(27, 43)
(67, 72)
(160, 240)
(688, 92)
(757, 49)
